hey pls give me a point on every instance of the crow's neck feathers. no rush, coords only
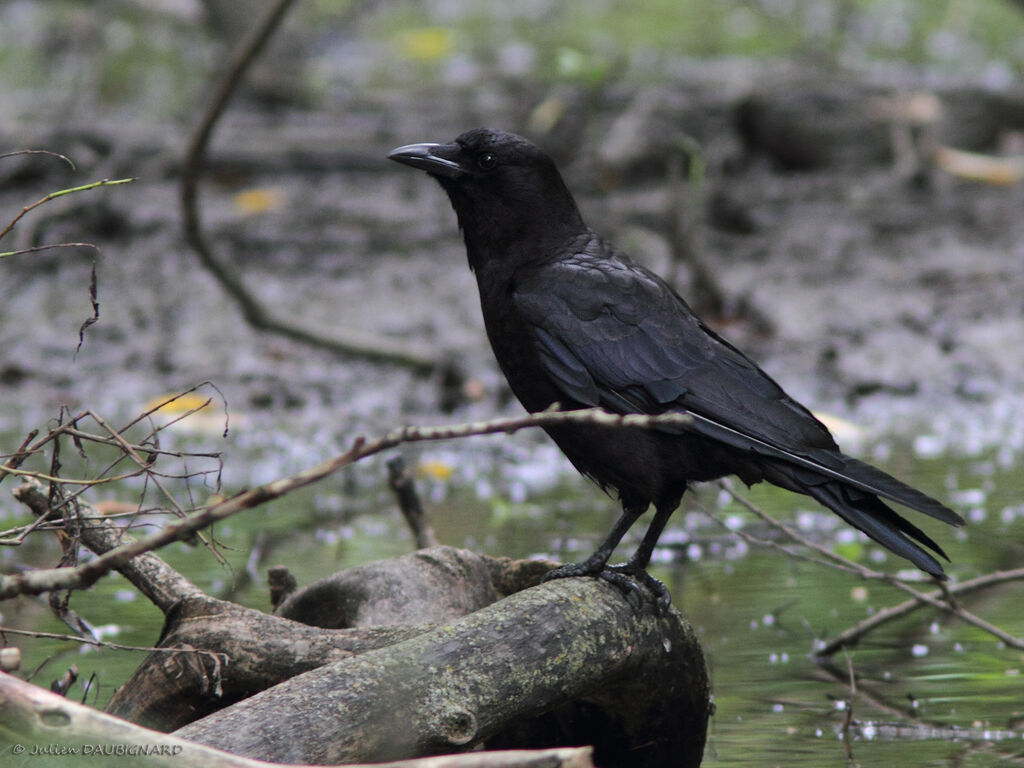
(520, 214)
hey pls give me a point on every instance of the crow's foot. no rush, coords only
(623, 583)
(618, 576)
(655, 587)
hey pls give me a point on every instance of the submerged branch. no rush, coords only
(854, 634)
(940, 599)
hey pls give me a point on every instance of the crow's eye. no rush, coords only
(486, 161)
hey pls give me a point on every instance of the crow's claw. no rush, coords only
(655, 587)
(624, 577)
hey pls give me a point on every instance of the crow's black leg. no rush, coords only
(596, 564)
(636, 566)
(642, 556)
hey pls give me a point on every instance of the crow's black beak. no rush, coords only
(435, 159)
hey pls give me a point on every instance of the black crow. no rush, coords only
(574, 321)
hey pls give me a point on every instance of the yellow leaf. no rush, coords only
(425, 43)
(192, 413)
(259, 200)
(976, 167)
(434, 470)
(180, 404)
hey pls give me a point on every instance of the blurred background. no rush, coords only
(835, 186)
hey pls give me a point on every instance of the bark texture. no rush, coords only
(635, 677)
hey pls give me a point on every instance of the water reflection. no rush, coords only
(927, 689)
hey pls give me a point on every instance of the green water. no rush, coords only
(957, 692)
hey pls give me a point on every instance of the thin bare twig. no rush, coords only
(759, 542)
(80, 576)
(137, 447)
(14, 537)
(848, 714)
(60, 193)
(102, 643)
(37, 248)
(47, 152)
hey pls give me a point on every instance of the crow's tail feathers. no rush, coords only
(870, 514)
(851, 489)
(848, 487)
(872, 479)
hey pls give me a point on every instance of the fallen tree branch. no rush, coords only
(651, 693)
(35, 720)
(464, 682)
(357, 610)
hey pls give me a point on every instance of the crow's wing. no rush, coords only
(610, 333)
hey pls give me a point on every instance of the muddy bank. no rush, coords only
(888, 296)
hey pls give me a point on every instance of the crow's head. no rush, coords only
(506, 192)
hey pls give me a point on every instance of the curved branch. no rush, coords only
(347, 341)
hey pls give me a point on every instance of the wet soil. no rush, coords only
(887, 296)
